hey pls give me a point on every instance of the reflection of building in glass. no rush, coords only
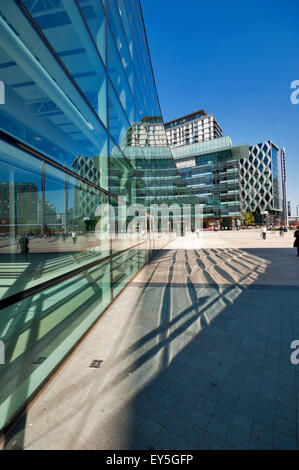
(261, 180)
(192, 128)
(19, 202)
(149, 132)
(86, 199)
(50, 214)
(78, 77)
(155, 166)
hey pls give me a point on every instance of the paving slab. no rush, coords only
(196, 355)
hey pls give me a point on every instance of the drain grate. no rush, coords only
(96, 363)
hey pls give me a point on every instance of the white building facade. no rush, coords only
(192, 128)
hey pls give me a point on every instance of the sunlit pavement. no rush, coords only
(196, 355)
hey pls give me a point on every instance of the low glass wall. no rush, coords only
(40, 330)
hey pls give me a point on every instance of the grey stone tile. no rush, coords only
(165, 440)
(246, 409)
(238, 439)
(205, 405)
(223, 414)
(218, 429)
(285, 426)
(262, 416)
(284, 442)
(200, 418)
(140, 442)
(192, 432)
(242, 423)
(286, 412)
(182, 444)
(262, 432)
(228, 401)
(149, 428)
(257, 444)
(266, 404)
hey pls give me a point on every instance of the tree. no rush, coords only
(248, 218)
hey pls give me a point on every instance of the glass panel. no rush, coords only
(73, 43)
(124, 267)
(43, 108)
(94, 15)
(40, 330)
(48, 222)
(118, 121)
(122, 180)
(119, 80)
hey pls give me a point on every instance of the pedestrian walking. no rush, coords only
(74, 237)
(264, 232)
(296, 242)
(281, 231)
(24, 245)
(197, 232)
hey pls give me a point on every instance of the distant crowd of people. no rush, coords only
(282, 230)
(23, 241)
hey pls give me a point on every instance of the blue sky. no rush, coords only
(235, 59)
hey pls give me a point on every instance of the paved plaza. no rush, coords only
(196, 355)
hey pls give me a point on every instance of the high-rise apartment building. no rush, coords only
(192, 128)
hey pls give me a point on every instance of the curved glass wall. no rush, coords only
(82, 141)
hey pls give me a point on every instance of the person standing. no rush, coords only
(264, 232)
(74, 237)
(296, 242)
(281, 231)
(24, 245)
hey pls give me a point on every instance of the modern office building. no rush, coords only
(164, 184)
(284, 186)
(231, 180)
(211, 170)
(192, 128)
(80, 127)
(260, 182)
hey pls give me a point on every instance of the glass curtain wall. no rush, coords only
(214, 179)
(79, 94)
(277, 196)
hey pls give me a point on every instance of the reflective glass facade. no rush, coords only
(214, 178)
(80, 127)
